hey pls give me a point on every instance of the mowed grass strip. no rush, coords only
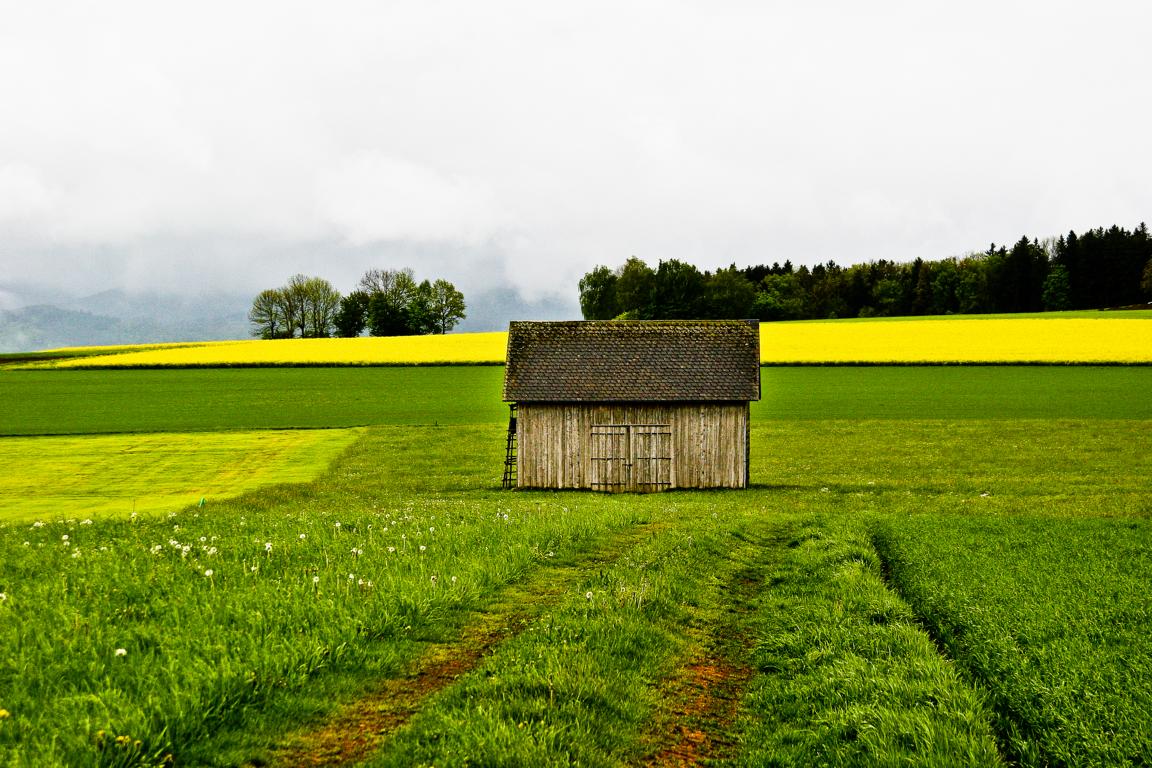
(84, 402)
(100, 476)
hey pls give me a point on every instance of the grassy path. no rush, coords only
(362, 725)
(702, 697)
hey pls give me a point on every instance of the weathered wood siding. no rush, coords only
(661, 445)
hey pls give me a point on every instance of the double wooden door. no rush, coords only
(631, 457)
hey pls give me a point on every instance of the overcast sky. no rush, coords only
(227, 145)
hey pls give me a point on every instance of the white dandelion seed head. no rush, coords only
(315, 579)
(337, 523)
(3, 596)
(38, 524)
(391, 549)
(64, 537)
(121, 652)
(267, 546)
(209, 572)
(86, 521)
(588, 595)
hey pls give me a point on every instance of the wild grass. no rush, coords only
(98, 476)
(1050, 615)
(165, 630)
(847, 676)
(857, 532)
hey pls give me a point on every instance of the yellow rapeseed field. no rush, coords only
(959, 340)
(964, 339)
(399, 350)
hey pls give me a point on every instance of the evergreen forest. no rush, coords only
(1099, 269)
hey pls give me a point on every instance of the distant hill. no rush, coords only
(118, 317)
(37, 318)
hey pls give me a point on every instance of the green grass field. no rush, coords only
(86, 402)
(940, 566)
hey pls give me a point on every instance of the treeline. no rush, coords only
(1099, 269)
(387, 302)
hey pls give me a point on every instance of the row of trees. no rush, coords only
(387, 302)
(1101, 268)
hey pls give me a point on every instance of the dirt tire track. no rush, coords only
(361, 727)
(704, 695)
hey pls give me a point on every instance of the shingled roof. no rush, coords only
(622, 360)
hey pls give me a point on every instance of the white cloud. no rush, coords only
(525, 142)
(371, 197)
(23, 194)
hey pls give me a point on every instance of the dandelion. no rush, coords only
(203, 539)
(588, 595)
(315, 579)
(87, 521)
(27, 543)
(432, 530)
(157, 549)
(433, 578)
(822, 490)
(3, 596)
(453, 579)
(211, 551)
(38, 524)
(267, 546)
(121, 652)
(391, 550)
(357, 551)
(4, 714)
(209, 573)
(64, 537)
(337, 525)
(351, 577)
(254, 568)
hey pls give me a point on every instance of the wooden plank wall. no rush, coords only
(709, 441)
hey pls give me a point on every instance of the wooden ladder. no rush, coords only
(509, 480)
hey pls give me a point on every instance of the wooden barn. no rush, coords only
(630, 405)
